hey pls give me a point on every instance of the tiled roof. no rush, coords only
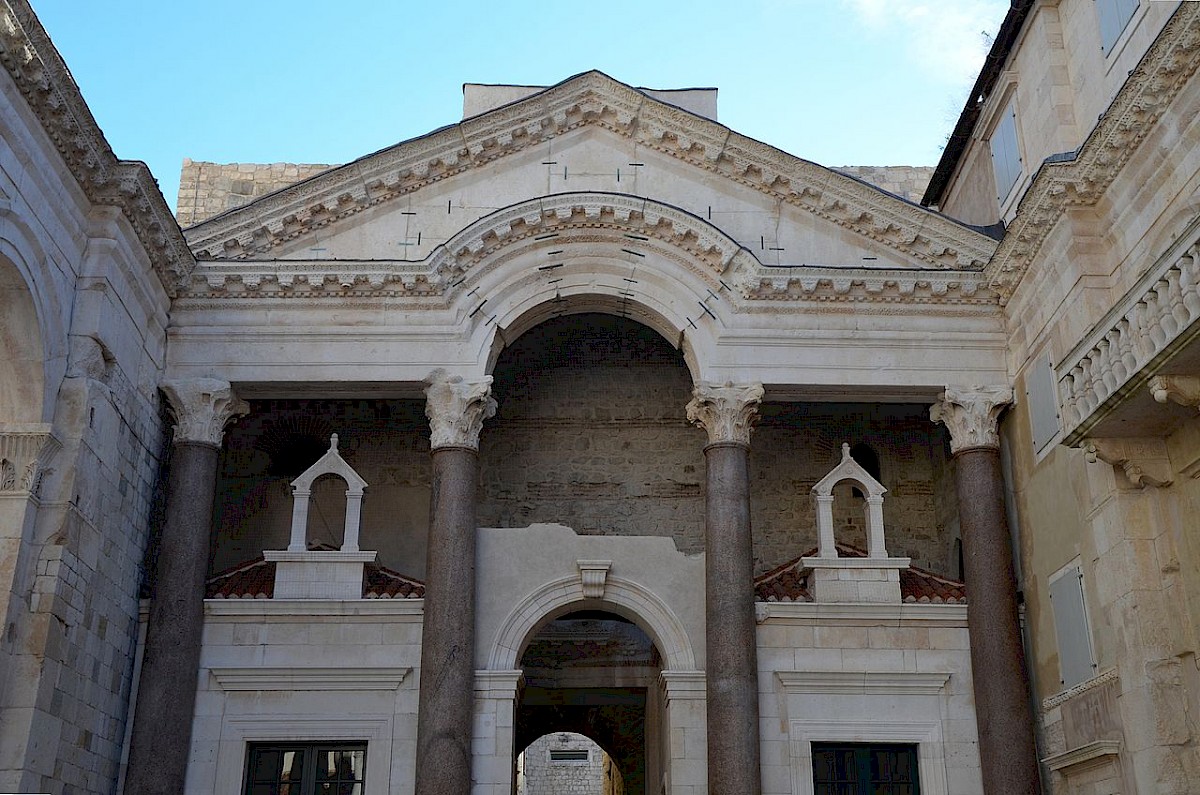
(255, 579)
(789, 582)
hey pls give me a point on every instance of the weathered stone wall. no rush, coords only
(387, 442)
(209, 189)
(540, 774)
(907, 182)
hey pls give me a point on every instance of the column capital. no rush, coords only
(727, 411)
(202, 408)
(456, 408)
(972, 414)
(25, 452)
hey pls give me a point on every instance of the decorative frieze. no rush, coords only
(202, 408)
(1158, 315)
(25, 454)
(726, 411)
(456, 408)
(972, 415)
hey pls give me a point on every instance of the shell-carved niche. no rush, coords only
(301, 573)
(875, 578)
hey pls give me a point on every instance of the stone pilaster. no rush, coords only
(162, 723)
(456, 409)
(1007, 749)
(727, 412)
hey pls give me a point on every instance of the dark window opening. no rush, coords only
(306, 769)
(864, 455)
(865, 769)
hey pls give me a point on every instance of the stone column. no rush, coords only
(727, 413)
(1007, 749)
(162, 723)
(456, 409)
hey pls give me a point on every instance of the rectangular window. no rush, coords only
(568, 755)
(1076, 660)
(865, 769)
(1006, 157)
(306, 769)
(1113, 15)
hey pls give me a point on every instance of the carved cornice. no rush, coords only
(202, 408)
(1156, 317)
(1144, 461)
(1151, 88)
(972, 415)
(585, 218)
(47, 86)
(589, 99)
(25, 454)
(456, 409)
(726, 411)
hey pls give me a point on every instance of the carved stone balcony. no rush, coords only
(1102, 382)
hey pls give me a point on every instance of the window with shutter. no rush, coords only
(1076, 659)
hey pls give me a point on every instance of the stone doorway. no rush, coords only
(594, 673)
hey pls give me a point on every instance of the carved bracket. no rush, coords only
(1181, 389)
(1144, 461)
(726, 411)
(592, 576)
(456, 409)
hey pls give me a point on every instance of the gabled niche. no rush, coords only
(875, 578)
(303, 573)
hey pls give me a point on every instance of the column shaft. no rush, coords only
(447, 695)
(162, 721)
(731, 644)
(1007, 747)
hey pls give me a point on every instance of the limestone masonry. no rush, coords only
(585, 445)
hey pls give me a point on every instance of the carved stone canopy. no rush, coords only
(972, 415)
(726, 411)
(456, 408)
(202, 408)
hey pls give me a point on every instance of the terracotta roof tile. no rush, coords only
(789, 582)
(255, 579)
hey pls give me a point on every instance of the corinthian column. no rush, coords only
(727, 413)
(162, 721)
(1006, 735)
(456, 409)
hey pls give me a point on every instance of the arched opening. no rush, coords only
(593, 673)
(567, 762)
(22, 378)
(591, 432)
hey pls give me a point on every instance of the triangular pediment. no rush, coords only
(596, 111)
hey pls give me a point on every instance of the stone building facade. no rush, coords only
(588, 415)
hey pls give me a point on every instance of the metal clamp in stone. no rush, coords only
(202, 408)
(456, 408)
(727, 411)
(972, 415)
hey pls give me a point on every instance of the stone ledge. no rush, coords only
(863, 682)
(313, 609)
(279, 678)
(852, 614)
(1084, 755)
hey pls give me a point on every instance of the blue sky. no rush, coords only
(840, 82)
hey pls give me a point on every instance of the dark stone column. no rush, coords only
(162, 723)
(456, 411)
(727, 413)
(1007, 745)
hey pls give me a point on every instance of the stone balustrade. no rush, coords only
(1157, 315)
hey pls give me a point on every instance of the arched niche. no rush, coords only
(22, 354)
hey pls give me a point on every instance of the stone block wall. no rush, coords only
(907, 182)
(539, 773)
(209, 189)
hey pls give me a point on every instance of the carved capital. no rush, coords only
(1181, 389)
(25, 452)
(726, 411)
(1144, 461)
(456, 409)
(202, 408)
(972, 414)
